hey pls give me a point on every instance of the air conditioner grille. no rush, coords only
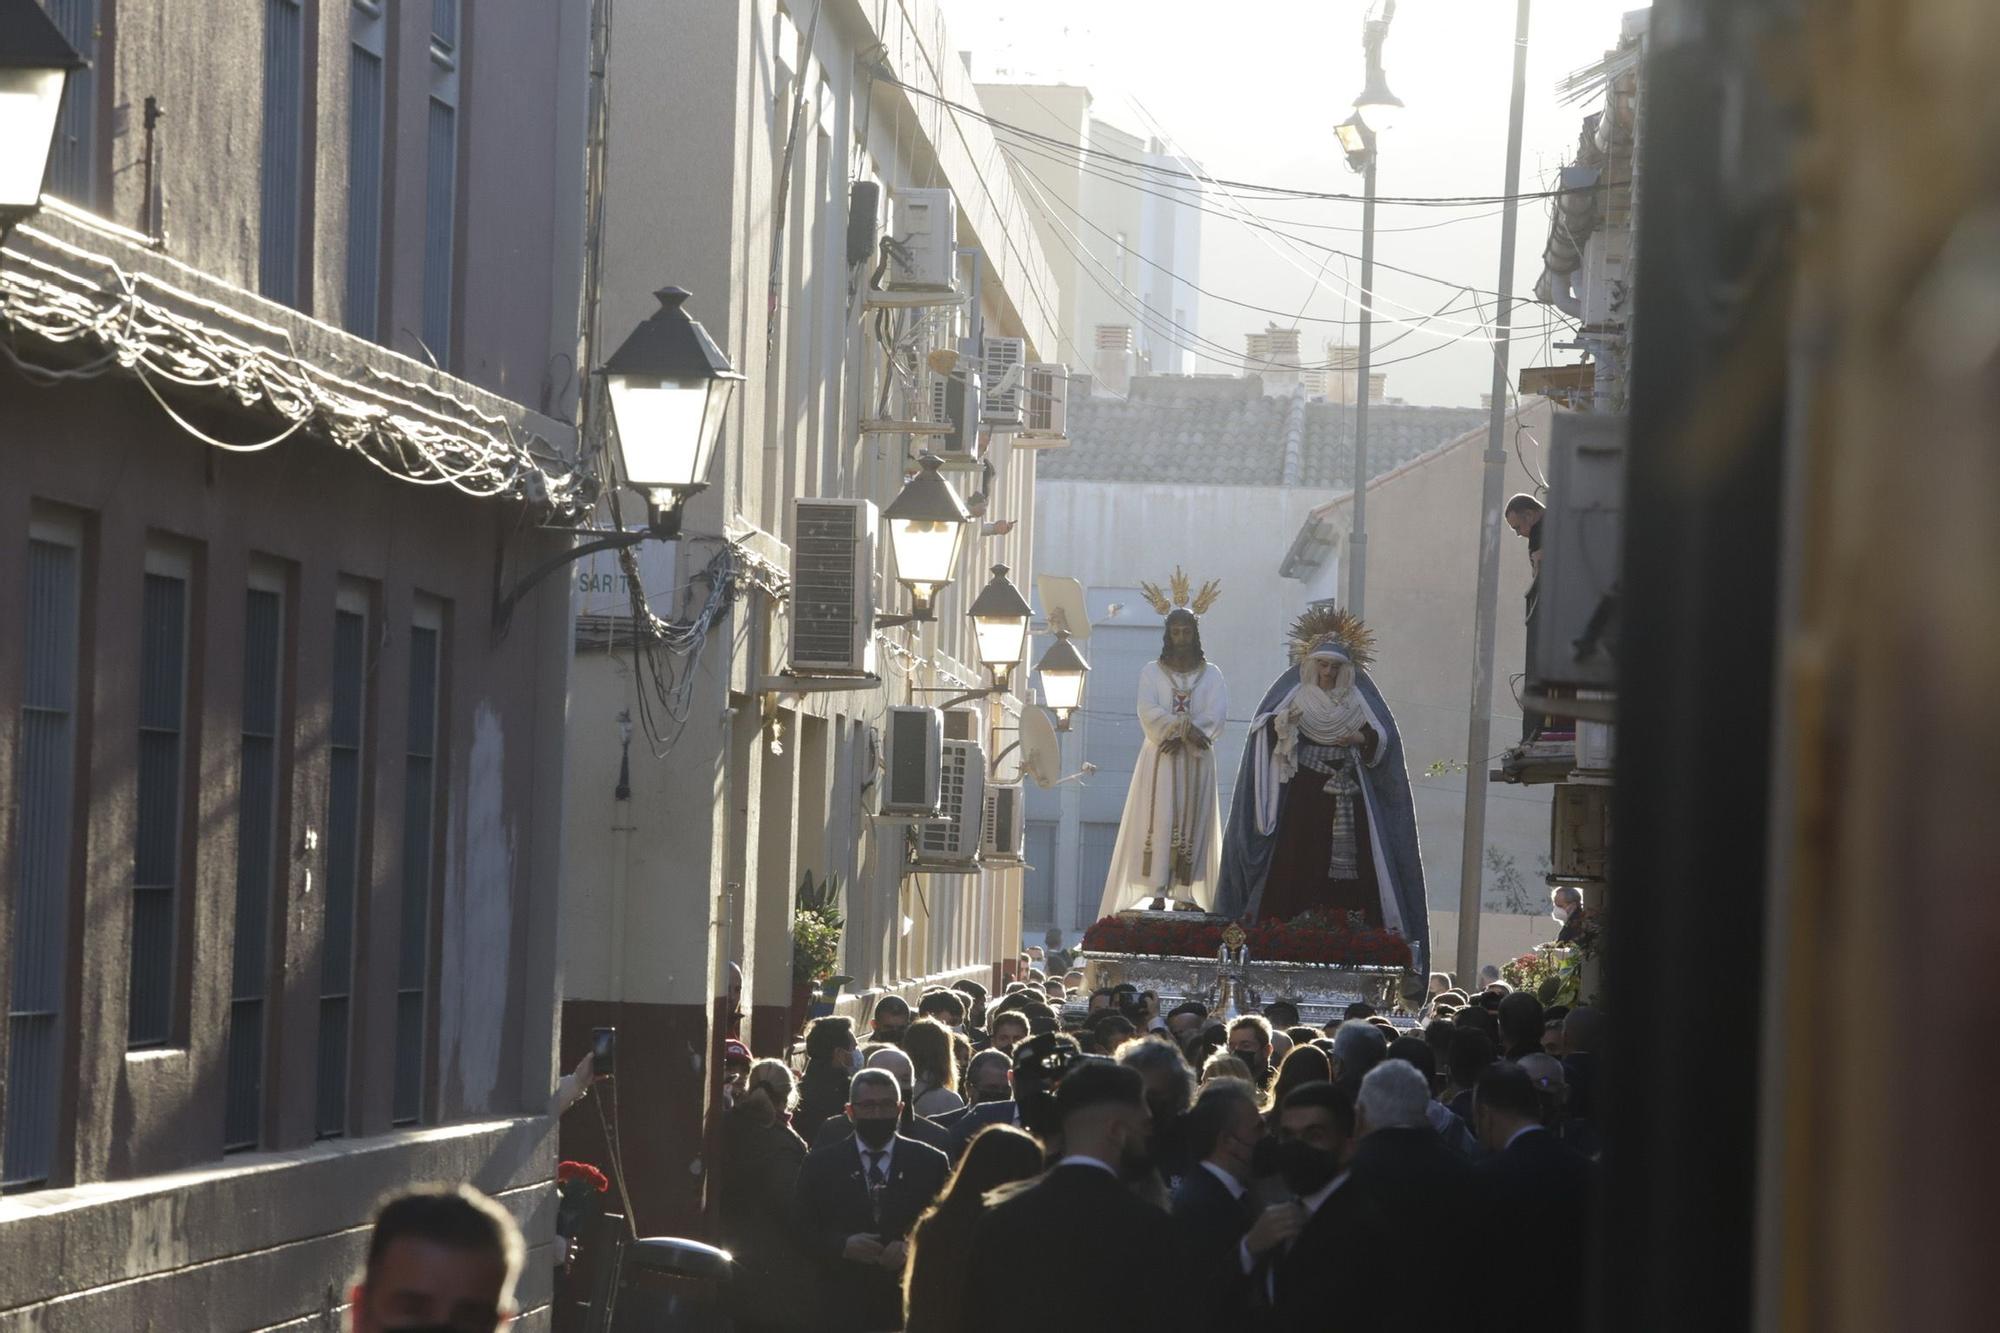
(824, 597)
(944, 837)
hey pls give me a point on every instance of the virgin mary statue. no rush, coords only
(1322, 817)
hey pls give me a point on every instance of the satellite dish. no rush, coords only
(1041, 748)
(1063, 605)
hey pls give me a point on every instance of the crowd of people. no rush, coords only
(1125, 1167)
(1088, 1158)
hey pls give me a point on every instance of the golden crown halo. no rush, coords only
(1180, 593)
(1327, 621)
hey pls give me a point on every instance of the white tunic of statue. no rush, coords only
(1170, 838)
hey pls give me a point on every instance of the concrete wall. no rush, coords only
(106, 454)
(1423, 559)
(519, 187)
(743, 789)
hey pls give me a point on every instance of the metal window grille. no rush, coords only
(1093, 868)
(156, 867)
(45, 792)
(444, 24)
(438, 225)
(365, 111)
(1038, 886)
(256, 864)
(343, 864)
(284, 87)
(419, 824)
(441, 179)
(73, 163)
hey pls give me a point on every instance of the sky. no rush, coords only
(1252, 90)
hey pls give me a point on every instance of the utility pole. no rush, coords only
(1357, 539)
(1374, 111)
(1473, 858)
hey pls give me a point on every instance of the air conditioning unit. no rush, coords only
(1000, 407)
(961, 724)
(911, 755)
(924, 227)
(1044, 407)
(1004, 832)
(948, 398)
(951, 841)
(833, 587)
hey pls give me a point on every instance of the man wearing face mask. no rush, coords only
(1250, 1042)
(829, 1064)
(1169, 1093)
(856, 1202)
(1343, 1237)
(1081, 1221)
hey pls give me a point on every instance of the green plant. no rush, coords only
(823, 898)
(816, 926)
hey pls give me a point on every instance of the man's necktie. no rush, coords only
(877, 1180)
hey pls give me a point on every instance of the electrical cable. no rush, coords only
(1276, 191)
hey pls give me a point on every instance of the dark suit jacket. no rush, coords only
(822, 1096)
(1331, 1276)
(839, 1129)
(1544, 1188)
(832, 1203)
(1213, 1222)
(1094, 1255)
(964, 1124)
(1415, 1180)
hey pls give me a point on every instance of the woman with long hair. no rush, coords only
(928, 1044)
(934, 1282)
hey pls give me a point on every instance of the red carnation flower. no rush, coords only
(568, 1171)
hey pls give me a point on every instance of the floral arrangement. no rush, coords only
(1552, 974)
(1311, 937)
(578, 1185)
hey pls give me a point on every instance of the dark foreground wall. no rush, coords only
(441, 958)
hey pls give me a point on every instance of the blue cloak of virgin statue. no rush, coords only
(1250, 833)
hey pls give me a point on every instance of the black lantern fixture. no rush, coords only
(36, 61)
(927, 523)
(1000, 616)
(1062, 670)
(1377, 106)
(669, 386)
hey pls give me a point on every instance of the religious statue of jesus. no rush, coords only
(1170, 839)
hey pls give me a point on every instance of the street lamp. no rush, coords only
(669, 386)
(36, 61)
(1062, 668)
(1000, 616)
(1377, 105)
(1356, 140)
(927, 523)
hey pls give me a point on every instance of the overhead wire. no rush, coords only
(1168, 173)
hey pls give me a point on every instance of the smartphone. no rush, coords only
(603, 1050)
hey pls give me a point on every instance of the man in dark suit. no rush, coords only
(1403, 1164)
(856, 1202)
(988, 1083)
(1544, 1188)
(1225, 1229)
(894, 1063)
(1331, 1267)
(1079, 1242)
